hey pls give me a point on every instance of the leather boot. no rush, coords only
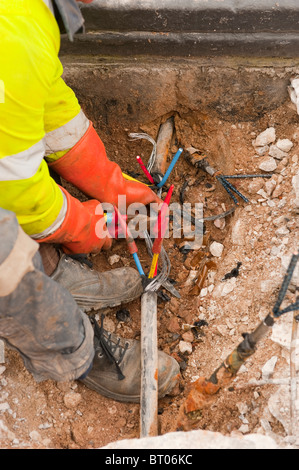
(97, 290)
(116, 370)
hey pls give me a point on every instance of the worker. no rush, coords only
(45, 291)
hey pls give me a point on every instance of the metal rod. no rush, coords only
(149, 366)
(163, 144)
(149, 328)
(246, 176)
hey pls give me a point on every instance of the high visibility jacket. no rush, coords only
(40, 117)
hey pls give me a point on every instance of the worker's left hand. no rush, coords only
(88, 168)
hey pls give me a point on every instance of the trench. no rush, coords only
(218, 107)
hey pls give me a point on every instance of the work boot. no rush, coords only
(116, 369)
(97, 290)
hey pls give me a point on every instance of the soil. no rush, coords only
(69, 415)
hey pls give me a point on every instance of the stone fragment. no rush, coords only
(295, 184)
(188, 336)
(262, 193)
(2, 352)
(224, 288)
(220, 223)
(268, 368)
(5, 433)
(262, 150)
(255, 185)
(35, 436)
(4, 406)
(114, 259)
(275, 152)
(216, 249)
(265, 138)
(244, 428)
(282, 231)
(268, 164)
(239, 231)
(269, 186)
(185, 347)
(278, 191)
(197, 439)
(284, 144)
(173, 325)
(72, 399)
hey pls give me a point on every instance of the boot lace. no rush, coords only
(110, 347)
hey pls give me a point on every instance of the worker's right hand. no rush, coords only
(83, 229)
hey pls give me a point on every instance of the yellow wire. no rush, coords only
(153, 266)
(127, 177)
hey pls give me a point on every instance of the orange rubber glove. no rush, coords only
(83, 229)
(87, 166)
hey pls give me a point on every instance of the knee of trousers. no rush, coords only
(39, 318)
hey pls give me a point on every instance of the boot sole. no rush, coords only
(90, 304)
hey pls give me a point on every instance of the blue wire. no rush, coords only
(170, 168)
(138, 264)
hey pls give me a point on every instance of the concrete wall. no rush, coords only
(140, 60)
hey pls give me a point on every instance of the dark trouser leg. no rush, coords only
(38, 317)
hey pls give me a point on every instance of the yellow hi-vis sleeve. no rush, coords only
(34, 101)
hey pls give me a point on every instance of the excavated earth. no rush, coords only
(202, 327)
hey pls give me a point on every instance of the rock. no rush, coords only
(278, 405)
(2, 352)
(262, 150)
(113, 259)
(5, 433)
(244, 428)
(268, 285)
(285, 261)
(262, 193)
(265, 138)
(275, 152)
(72, 399)
(224, 288)
(220, 223)
(239, 231)
(173, 325)
(4, 406)
(216, 249)
(279, 220)
(282, 331)
(188, 336)
(190, 279)
(268, 164)
(268, 368)
(295, 184)
(278, 191)
(255, 185)
(284, 144)
(185, 347)
(269, 186)
(35, 436)
(282, 231)
(198, 439)
(242, 407)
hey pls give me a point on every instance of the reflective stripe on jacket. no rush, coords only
(39, 116)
